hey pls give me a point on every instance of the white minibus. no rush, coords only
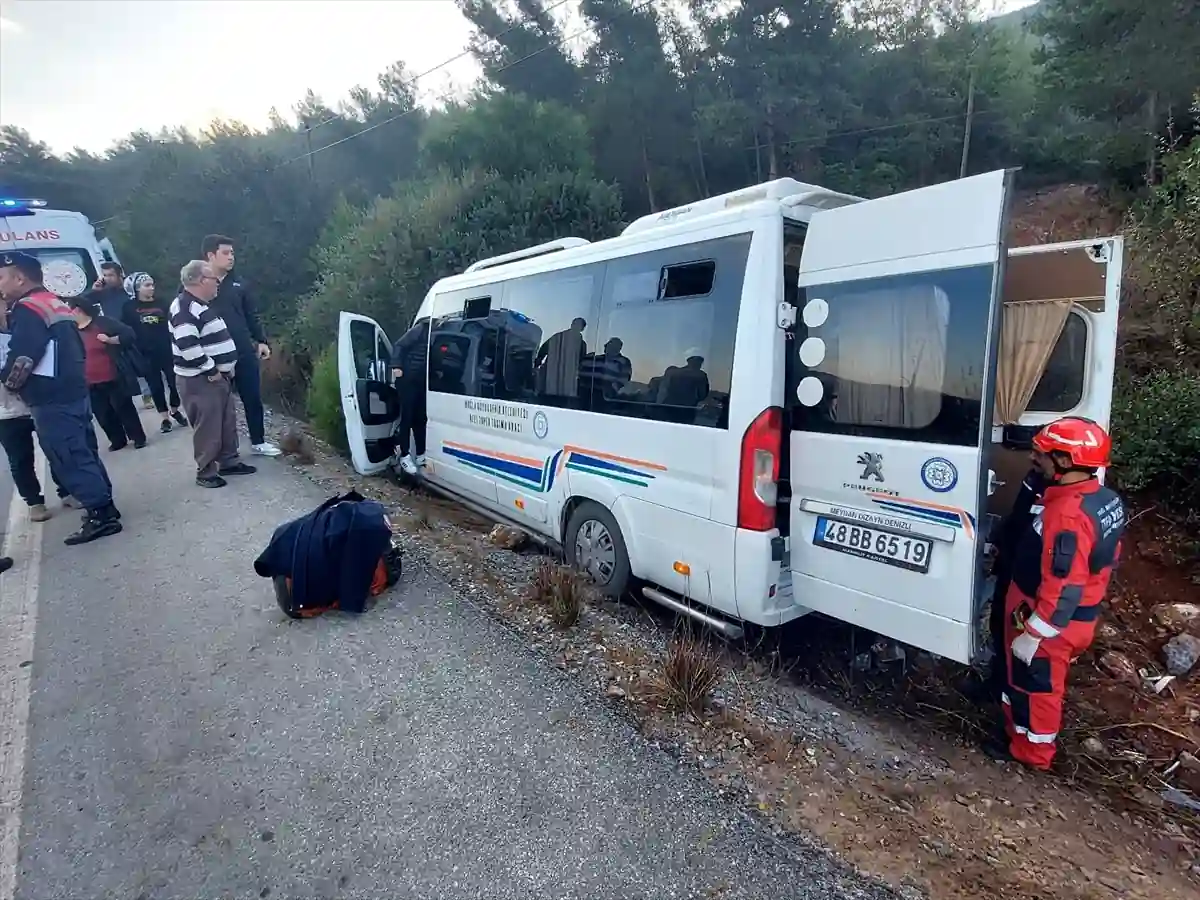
(776, 401)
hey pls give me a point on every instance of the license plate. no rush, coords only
(910, 553)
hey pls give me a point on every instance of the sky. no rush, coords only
(88, 72)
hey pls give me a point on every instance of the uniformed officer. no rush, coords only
(44, 366)
(1060, 572)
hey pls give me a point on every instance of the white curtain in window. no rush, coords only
(1028, 334)
(889, 356)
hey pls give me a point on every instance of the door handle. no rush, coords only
(993, 483)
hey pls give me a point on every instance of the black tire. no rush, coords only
(613, 580)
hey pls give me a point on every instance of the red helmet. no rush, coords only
(1083, 440)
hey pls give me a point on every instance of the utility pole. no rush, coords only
(966, 151)
(308, 146)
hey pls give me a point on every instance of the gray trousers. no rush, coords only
(209, 407)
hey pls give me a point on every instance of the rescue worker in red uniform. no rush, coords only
(1061, 570)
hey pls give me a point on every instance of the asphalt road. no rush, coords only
(182, 739)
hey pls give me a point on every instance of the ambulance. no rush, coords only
(64, 241)
(772, 402)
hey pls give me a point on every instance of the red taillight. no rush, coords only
(759, 474)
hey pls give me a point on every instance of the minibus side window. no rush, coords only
(668, 321)
(899, 357)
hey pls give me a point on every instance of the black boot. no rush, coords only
(6, 563)
(96, 524)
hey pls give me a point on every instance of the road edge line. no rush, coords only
(18, 623)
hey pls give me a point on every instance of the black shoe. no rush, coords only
(139, 445)
(211, 481)
(996, 749)
(113, 448)
(97, 525)
(179, 418)
(238, 469)
(6, 563)
(165, 427)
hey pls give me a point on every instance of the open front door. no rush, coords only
(1058, 347)
(892, 413)
(369, 400)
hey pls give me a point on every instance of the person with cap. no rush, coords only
(1060, 573)
(151, 324)
(45, 367)
(17, 438)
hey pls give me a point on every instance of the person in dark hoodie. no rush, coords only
(45, 367)
(151, 325)
(234, 306)
(409, 363)
(110, 295)
(108, 292)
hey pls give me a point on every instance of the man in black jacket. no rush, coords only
(109, 291)
(233, 304)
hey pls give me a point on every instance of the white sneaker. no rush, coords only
(420, 460)
(266, 448)
(407, 464)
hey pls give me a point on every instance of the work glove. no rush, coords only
(1024, 645)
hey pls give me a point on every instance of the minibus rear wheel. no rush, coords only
(594, 544)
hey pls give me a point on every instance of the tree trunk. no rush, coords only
(1152, 139)
(772, 151)
(649, 183)
(700, 160)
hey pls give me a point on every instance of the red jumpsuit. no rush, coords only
(1061, 571)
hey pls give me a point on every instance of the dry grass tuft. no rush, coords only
(691, 669)
(561, 589)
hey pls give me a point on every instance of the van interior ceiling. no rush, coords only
(1040, 292)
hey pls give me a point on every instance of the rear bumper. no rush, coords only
(765, 594)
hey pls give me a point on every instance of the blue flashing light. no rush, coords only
(21, 203)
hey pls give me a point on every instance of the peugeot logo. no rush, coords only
(872, 464)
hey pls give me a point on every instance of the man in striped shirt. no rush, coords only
(204, 359)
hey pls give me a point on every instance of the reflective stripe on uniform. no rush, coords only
(1040, 627)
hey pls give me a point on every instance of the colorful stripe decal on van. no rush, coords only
(538, 475)
(928, 511)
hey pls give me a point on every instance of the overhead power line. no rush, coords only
(408, 112)
(465, 53)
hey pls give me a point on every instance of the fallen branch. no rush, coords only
(1154, 725)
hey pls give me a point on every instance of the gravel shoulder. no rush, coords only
(186, 740)
(927, 814)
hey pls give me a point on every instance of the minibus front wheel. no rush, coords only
(594, 545)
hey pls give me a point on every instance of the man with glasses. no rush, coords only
(205, 358)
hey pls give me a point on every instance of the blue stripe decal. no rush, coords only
(518, 470)
(595, 463)
(553, 470)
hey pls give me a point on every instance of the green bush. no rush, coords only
(324, 402)
(1156, 435)
(385, 262)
